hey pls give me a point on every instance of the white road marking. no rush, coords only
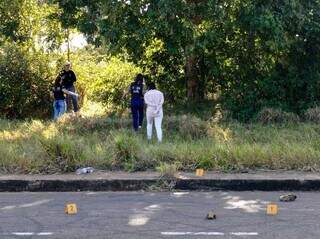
(244, 233)
(8, 207)
(28, 233)
(44, 233)
(192, 233)
(182, 233)
(36, 203)
(23, 233)
(209, 233)
(299, 210)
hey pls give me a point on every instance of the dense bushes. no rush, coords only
(24, 83)
(249, 54)
(254, 53)
(109, 82)
(26, 77)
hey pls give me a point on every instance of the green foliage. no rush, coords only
(249, 54)
(158, 35)
(26, 71)
(29, 23)
(168, 171)
(271, 59)
(24, 83)
(255, 54)
(127, 151)
(109, 82)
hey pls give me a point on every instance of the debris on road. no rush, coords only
(211, 215)
(85, 170)
(288, 197)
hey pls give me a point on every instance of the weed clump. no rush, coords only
(273, 116)
(312, 115)
(186, 126)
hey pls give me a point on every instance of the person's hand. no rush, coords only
(156, 112)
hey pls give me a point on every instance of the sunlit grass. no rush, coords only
(189, 142)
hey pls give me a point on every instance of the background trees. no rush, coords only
(26, 35)
(251, 53)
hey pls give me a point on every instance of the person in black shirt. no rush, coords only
(68, 79)
(137, 103)
(59, 104)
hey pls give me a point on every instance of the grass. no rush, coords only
(189, 142)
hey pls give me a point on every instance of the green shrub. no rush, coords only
(112, 83)
(127, 149)
(168, 171)
(25, 77)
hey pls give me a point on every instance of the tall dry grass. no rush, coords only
(190, 142)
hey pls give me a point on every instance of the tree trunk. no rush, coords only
(192, 72)
(192, 78)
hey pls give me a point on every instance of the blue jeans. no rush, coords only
(137, 106)
(59, 108)
(73, 98)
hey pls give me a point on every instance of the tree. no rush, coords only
(254, 53)
(271, 57)
(29, 23)
(26, 33)
(134, 27)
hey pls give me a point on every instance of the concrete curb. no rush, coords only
(136, 185)
(102, 181)
(250, 185)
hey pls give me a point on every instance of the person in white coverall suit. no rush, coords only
(154, 100)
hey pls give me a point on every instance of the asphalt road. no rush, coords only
(158, 215)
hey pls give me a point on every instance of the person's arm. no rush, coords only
(159, 106)
(62, 76)
(74, 78)
(126, 92)
(52, 92)
(161, 99)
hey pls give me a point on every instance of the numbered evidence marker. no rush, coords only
(272, 209)
(199, 172)
(71, 208)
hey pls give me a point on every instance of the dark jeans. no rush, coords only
(137, 106)
(72, 98)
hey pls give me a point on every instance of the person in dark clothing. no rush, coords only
(59, 103)
(137, 103)
(68, 79)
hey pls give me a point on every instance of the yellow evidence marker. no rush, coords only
(71, 208)
(272, 209)
(199, 172)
